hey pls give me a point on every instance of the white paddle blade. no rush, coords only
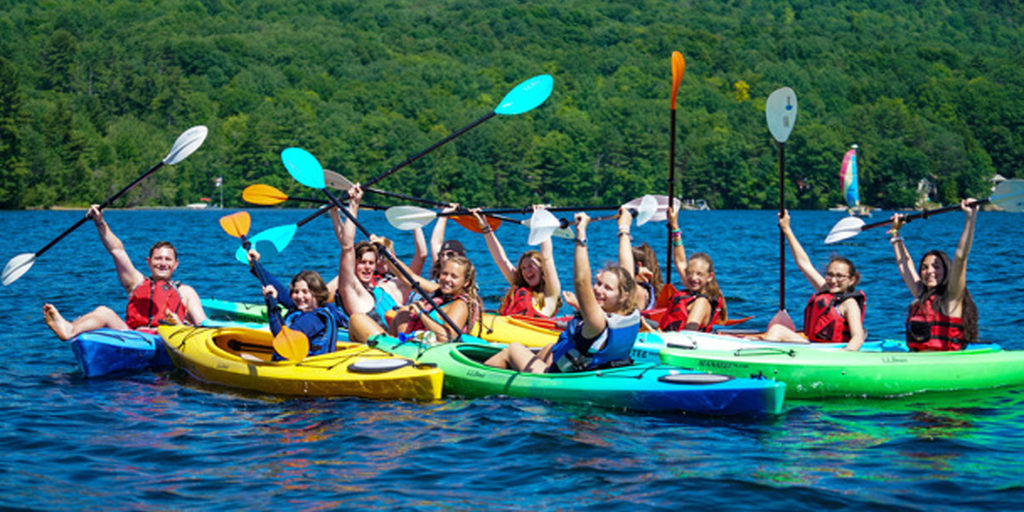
(542, 225)
(18, 266)
(848, 227)
(565, 233)
(648, 207)
(660, 213)
(408, 218)
(1009, 195)
(780, 110)
(187, 143)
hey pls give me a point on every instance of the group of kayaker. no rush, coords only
(375, 294)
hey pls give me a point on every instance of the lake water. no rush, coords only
(164, 442)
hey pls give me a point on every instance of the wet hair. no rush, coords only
(644, 253)
(968, 310)
(160, 245)
(627, 289)
(854, 275)
(469, 287)
(712, 289)
(316, 285)
(518, 281)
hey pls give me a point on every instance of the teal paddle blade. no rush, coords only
(526, 96)
(269, 241)
(304, 167)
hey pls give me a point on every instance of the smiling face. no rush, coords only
(607, 291)
(366, 263)
(530, 269)
(838, 277)
(932, 271)
(452, 278)
(162, 262)
(698, 275)
(303, 297)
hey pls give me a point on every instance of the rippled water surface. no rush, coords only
(162, 441)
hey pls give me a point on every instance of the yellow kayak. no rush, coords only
(241, 358)
(506, 329)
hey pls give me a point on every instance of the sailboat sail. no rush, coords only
(848, 178)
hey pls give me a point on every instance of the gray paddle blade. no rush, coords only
(848, 227)
(648, 207)
(780, 109)
(408, 218)
(18, 266)
(187, 143)
(337, 181)
(1009, 195)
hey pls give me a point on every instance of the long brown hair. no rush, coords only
(627, 288)
(518, 281)
(711, 288)
(317, 287)
(644, 254)
(968, 310)
(470, 289)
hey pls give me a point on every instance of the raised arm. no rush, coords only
(594, 320)
(799, 256)
(127, 274)
(419, 257)
(904, 262)
(958, 274)
(494, 246)
(625, 240)
(437, 236)
(552, 286)
(678, 249)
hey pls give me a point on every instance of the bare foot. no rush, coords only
(61, 327)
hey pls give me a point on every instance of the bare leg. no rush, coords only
(95, 319)
(523, 359)
(498, 360)
(779, 332)
(361, 328)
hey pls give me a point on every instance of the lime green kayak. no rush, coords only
(638, 387)
(813, 373)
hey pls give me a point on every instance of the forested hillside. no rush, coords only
(93, 93)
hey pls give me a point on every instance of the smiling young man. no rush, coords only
(151, 299)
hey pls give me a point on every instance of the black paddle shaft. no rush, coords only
(391, 257)
(782, 237)
(103, 205)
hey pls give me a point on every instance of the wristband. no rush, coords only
(581, 242)
(895, 238)
(677, 242)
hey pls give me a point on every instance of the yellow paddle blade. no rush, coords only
(236, 224)
(469, 222)
(263, 195)
(291, 344)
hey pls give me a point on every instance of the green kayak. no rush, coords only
(240, 311)
(638, 387)
(813, 373)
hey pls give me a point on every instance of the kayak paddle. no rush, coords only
(185, 145)
(780, 111)
(1009, 195)
(678, 68)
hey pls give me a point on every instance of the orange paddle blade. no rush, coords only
(664, 299)
(236, 224)
(678, 67)
(735, 321)
(469, 222)
(263, 195)
(291, 344)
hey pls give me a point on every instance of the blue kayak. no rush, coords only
(109, 351)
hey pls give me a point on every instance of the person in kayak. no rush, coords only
(600, 335)
(357, 290)
(535, 290)
(642, 260)
(151, 299)
(441, 249)
(454, 293)
(701, 304)
(307, 308)
(835, 313)
(943, 316)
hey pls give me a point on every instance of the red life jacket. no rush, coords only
(822, 321)
(520, 302)
(930, 330)
(675, 317)
(150, 299)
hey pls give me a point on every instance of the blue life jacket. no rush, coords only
(573, 353)
(382, 302)
(324, 339)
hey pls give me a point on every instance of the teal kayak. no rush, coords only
(812, 373)
(649, 345)
(217, 309)
(651, 387)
